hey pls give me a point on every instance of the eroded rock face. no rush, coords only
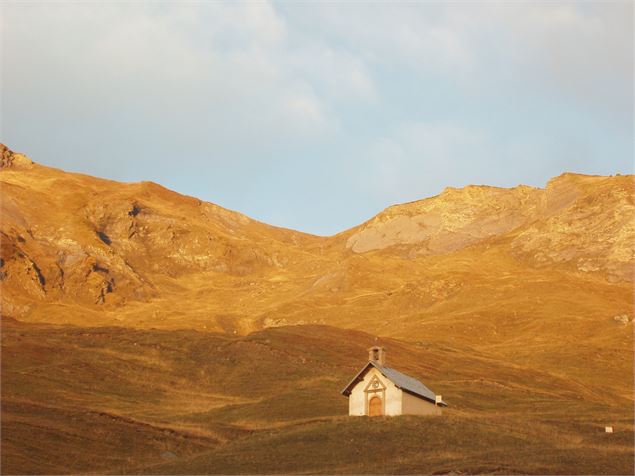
(142, 233)
(585, 222)
(453, 220)
(50, 267)
(6, 156)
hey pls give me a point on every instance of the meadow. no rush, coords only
(118, 401)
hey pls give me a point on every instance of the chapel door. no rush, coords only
(374, 407)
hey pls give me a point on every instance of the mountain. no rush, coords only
(76, 239)
(508, 300)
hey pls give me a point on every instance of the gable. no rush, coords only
(374, 384)
(358, 378)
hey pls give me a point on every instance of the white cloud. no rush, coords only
(578, 50)
(226, 70)
(289, 70)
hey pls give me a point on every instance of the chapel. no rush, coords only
(380, 390)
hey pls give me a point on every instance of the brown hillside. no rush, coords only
(115, 400)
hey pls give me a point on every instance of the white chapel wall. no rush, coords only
(357, 401)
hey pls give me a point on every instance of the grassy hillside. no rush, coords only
(401, 445)
(120, 400)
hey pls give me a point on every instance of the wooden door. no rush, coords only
(374, 407)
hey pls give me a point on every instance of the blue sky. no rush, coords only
(317, 115)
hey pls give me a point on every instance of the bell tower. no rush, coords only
(377, 355)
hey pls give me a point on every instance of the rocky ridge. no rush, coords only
(583, 221)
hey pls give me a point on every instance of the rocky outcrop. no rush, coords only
(453, 220)
(6, 157)
(584, 222)
(622, 319)
(9, 159)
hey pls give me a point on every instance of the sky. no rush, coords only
(317, 115)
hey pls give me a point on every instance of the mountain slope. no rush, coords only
(74, 238)
(79, 239)
(482, 264)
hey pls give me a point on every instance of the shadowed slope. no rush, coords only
(118, 400)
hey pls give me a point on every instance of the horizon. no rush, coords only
(315, 118)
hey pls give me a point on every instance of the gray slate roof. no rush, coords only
(402, 381)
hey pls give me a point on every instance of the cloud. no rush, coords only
(569, 50)
(209, 72)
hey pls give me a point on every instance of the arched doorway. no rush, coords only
(374, 407)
